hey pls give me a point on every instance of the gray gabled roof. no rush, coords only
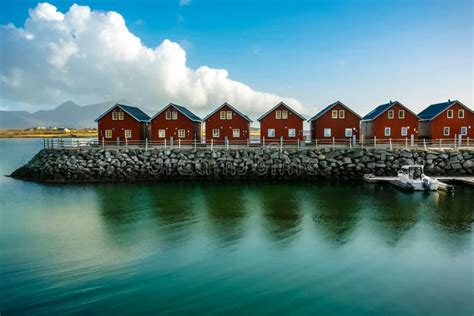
(190, 115)
(133, 111)
(230, 106)
(287, 107)
(382, 108)
(329, 107)
(436, 109)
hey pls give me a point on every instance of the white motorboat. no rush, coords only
(413, 176)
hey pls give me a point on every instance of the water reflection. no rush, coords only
(281, 210)
(334, 215)
(226, 209)
(454, 213)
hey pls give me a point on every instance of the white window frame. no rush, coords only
(216, 133)
(278, 115)
(236, 132)
(120, 116)
(108, 133)
(459, 114)
(389, 131)
(342, 114)
(450, 116)
(161, 133)
(334, 114)
(404, 131)
(114, 116)
(327, 132)
(127, 133)
(348, 132)
(446, 128)
(464, 128)
(391, 114)
(174, 115)
(222, 115)
(168, 115)
(229, 115)
(284, 114)
(181, 133)
(271, 132)
(292, 132)
(401, 114)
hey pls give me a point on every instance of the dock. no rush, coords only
(445, 182)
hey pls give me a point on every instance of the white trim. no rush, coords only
(389, 132)
(231, 107)
(448, 129)
(284, 105)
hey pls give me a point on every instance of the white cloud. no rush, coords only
(87, 55)
(184, 2)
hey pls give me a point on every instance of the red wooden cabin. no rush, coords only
(336, 120)
(281, 121)
(392, 120)
(123, 121)
(175, 122)
(447, 120)
(226, 122)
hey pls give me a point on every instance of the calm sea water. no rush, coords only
(230, 248)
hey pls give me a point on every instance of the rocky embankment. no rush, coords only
(55, 165)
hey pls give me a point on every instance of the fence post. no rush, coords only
(333, 143)
(440, 140)
(297, 144)
(467, 141)
(350, 143)
(406, 143)
(248, 142)
(455, 136)
(195, 144)
(263, 141)
(354, 140)
(375, 141)
(226, 142)
(179, 143)
(316, 143)
(212, 144)
(390, 142)
(126, 142)
(459, 140)
(281, 143)
(146, 144)
(103, 143)
(424, 143)
(165, 143)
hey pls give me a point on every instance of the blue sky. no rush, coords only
(360, 52)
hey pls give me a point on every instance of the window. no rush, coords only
(120, 116)
(327, 132)
(334, 114)
(284, 114)
(291, 132)
(229, 115)
(401, 114)
(108, 133)
(128, 133)
(181, 133)
(114, 116)
(348, 132)
(161, 133)
(168, 115)
(222, 115)
(216, 132)
(174, 115)
(278, 115)
(404, 131)
(387, 130)
(236, 132)
(271, 132)
(460, 113)
(391, 114)
(464, 131)
(450, 114)
(446, 131)
(342, 114)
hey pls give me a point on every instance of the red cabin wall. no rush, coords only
(338, 126)
(281, 126)
(118, 127)
(455, 124)
(395, 124)
(193, 129)
(226, 126)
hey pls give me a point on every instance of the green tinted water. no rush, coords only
(231, 248)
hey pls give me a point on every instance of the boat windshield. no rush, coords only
(416, 173)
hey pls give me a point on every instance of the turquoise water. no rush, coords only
(231, 248)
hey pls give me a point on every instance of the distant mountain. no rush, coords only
(67, 114)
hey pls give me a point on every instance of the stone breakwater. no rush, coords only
(89, 165)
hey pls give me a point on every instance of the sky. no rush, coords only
(201, 53)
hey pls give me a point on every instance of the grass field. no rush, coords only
(33, 133)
